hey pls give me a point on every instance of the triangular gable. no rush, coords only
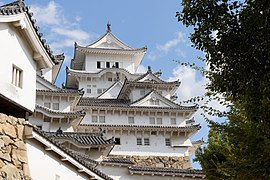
(154, 99)
(112, 92)
(150, 78)
(43, 84)
(109, 41)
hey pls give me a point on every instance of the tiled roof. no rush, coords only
(61, 91)
(114, 69)
(18, 7)
(124, 103)
(124, 161)
(167, 171)
(111, 51)
(54, 112)
(84, 139)
(76, 156)
(179, 128)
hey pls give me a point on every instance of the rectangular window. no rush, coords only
(167, 142)
(102, 119)
(17, 76)
(156, 102)
(47, 105)
(117, 64)
(131, 120)
(173, 120)
(98, 64)
(99, 91)
(153, 132)
(117, 141)
(142, 92)
(94, 119)
(146, 142)
(55, 106)
(139, 141)
(151, 120)
(159, 120)
(109, 79)
(107, 64)
(88, 91)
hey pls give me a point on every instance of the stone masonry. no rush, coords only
(13, 155)
(159, 161)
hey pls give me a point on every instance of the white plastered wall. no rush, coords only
(14, 51)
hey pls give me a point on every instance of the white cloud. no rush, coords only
(162, 49)
(48, 15)
(166, 47)
(77, 34)
(61, 32)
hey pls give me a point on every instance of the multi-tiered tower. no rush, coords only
(138, 109)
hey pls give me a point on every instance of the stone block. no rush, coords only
(9, 130)
(20, 131)
(11, 172)
(20, 155)
(5, 156)
(6, 140)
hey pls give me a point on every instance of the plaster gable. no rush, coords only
(112, 92)
(109, 41)
(150, 78)
(155, 100)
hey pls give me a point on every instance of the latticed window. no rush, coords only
(55, 106)
(139, 141)
(94, 119)
(173, 120)
(102, 119)
(167, 142)
(146, 141)
(47, 105)
(151, 120)
(131, 120)
(159, 120)
(17, 76)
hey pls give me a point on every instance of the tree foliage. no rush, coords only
(235, 37)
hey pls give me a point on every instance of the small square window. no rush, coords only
(153, 132)
(55, 106)
(102, 119)
(47, 105)
(159, 120)
(117, 141)
(146, 142)
(131, 120)
(167, 142)
(152, 120)
(107, 64)
(94, 119)
(173, 120)
(98, 64)
(109, 79)
(99, 91)
(17, 76)
(117, 64)
(139, 141)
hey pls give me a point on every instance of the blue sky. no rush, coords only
(139, 23)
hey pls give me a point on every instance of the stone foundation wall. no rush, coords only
(159, 161)
(13, 155)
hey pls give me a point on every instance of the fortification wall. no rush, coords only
(13, 156)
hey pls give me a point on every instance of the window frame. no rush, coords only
(17, 76)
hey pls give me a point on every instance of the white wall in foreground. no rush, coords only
(45, 166)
